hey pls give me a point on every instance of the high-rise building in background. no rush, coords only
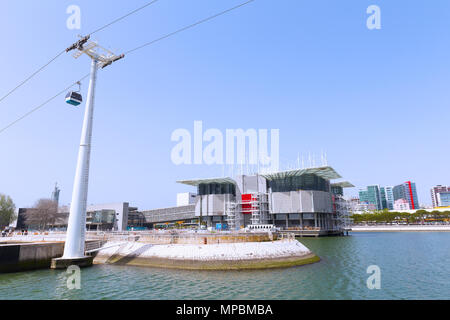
(440, 196)
(386, 197)
(408, 192)
(389, 191)
(383, 197)
(371, 195)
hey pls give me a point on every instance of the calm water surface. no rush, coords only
(413, 266)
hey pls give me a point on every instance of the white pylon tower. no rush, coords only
(76, 229)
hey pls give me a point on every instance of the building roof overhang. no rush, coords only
(197, 182)
(327, 173)
(343, 184)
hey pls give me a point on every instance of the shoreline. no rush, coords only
(414, 228)
(217, 257)
(219, 265)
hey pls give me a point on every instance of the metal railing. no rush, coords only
(93, 245)
(286, 236)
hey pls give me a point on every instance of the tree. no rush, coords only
(7, 211)
(435, 214)
(42, 215)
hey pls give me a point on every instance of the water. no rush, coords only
(413, 266)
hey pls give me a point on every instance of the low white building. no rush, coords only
(185, 199)
(401, 204)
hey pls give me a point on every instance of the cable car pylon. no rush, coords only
(74, 249)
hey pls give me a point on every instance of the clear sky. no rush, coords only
(377, 101)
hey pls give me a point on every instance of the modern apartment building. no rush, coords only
(389, 194)
(439, 196)
(372, 196)
(408, 192)
(385, 197)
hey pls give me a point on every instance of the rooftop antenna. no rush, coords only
(76, 230)
(247, 161)
(259, 162)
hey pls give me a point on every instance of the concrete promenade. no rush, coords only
(402, 228)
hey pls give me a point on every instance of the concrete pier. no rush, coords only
(28, 256)
(62, 263)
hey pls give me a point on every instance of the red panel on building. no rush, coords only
(246, 205)
(411, 195)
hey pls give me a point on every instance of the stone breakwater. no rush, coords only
(224, 256)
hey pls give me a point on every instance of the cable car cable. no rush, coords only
(188, 27)
(62, 52)
(41, 105)
(130, 51)
(123, 17)
(31, 76)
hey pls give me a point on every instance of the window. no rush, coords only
(216, 188)
(303, 182)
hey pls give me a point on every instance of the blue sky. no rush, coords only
(377, 101)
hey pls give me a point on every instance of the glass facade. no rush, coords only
(389, 197)
(216, 188)
(103, 216)
(399, 192)
(383, 198)
(371, 196)
(444, 199)
(304, 182)
(337, 190)
(404, 191)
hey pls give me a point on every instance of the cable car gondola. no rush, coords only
(74, 97)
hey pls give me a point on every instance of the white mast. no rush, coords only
(76, 230)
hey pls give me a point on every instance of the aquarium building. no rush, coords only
(302, 199)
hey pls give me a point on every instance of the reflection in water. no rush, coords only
(413, 266)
